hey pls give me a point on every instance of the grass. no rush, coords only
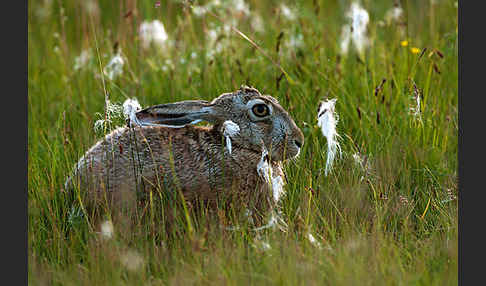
(392, 223)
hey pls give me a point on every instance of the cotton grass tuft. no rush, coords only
(153, 33)
(394, 14)
(114, 67)
(356, 31)
(107, 229)
(327, 120)
(82, 60)
(130, 108)
(313, 240)
(112, 110)
(230, 129)
(276, 183)
(415, 106)
(265, 171)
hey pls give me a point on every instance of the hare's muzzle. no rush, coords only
(298, 141)
(295, 141)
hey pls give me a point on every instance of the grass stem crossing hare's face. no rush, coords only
(164, 151)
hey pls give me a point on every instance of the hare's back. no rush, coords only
(128, 156)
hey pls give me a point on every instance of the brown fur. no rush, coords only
(132, 161)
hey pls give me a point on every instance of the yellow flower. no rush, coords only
(415, 50)
(404, 43)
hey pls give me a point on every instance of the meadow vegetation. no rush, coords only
(387, 212)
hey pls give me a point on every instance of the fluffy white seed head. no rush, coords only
(130, 108)
(275, 220)
(288, 13)
(199, 11)
(394, 14)
(107, 229)
(230, 129)
(356, 31)
(257, 23)
(82, 60)
(153, 32)
(240, 6)
(263, 168)
(265, 171)
(111, 110)
(415, 108)
(114, 67)
(313, 240)
(360, 19)
(327, 120)
(277, 187)
(357, 159)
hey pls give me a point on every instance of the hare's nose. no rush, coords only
(298, 143)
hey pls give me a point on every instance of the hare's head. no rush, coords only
(260, 118)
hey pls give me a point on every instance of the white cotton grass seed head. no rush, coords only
(394, 14)
(91, 7)
(153, 33)
(313, 240)
(360, 19)
(277, 188)
(415, 107)
(107, 229)
(327, 120)
(99, 125)
(199, 11)
(230, 129)
(111, 110)
(356, 31)
(130, 108)
(257, 23)
(82, 60)
(287, 13)
(115, 67)
(265, 171)
(357, 159)
(275, 220)
(240, 6)
(263, 168)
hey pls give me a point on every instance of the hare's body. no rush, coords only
(162, 151)
(191, 159)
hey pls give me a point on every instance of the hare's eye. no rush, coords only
(260, 110)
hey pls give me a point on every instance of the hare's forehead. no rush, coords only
(241, 100)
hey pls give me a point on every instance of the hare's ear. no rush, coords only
(178, 114)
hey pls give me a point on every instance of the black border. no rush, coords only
(14, 212)
(471, 122)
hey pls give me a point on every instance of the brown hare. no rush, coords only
(164, 151)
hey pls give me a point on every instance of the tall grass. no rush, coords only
(390, 221)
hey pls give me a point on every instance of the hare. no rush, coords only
(164, 151)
